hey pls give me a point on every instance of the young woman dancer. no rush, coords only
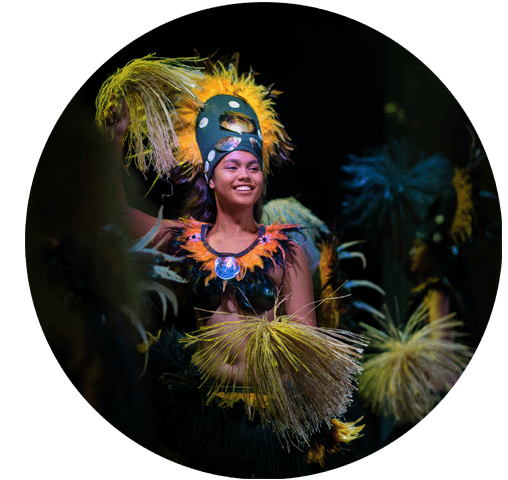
(257, 389)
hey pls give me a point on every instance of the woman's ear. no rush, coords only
(211, 184)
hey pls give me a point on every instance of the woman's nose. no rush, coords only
(244, 173)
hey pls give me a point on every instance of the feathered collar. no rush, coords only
(268, 250)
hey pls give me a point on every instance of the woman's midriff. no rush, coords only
(231, 367)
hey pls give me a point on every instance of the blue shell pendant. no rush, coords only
(226, 268)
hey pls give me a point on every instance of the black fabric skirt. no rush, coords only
(212, 438)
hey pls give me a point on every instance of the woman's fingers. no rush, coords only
(117, 115)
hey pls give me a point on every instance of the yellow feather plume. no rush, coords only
(328, 311)
(462, 225)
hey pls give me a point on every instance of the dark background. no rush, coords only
(329, 68)
(337, 75)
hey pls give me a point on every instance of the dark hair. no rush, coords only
(200, 202)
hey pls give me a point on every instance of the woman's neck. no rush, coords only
(233, 231)
(235, 222)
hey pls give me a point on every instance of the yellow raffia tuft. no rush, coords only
(316, 454)
(462, 225)
(148, 86)
(331, 441)
(228, 399)
(150, 340)
(413, 366)
(345, 432)
(222, 80)
(301, 377)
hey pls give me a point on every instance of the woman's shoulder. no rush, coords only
(185, 228)
(282, 227)
(286, 235)
(279, 233)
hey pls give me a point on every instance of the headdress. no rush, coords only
(236, 114)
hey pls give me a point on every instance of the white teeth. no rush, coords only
(244, 189)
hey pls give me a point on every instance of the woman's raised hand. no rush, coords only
(117, 118)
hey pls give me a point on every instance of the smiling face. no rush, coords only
(238, 179)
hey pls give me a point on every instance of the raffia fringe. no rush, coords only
(413, 366)
(149, 85)
(300, 377)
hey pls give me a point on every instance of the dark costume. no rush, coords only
(245, 272)
(286, 424)
(216, 437)
(300, 378)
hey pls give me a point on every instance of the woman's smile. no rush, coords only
(244, 188)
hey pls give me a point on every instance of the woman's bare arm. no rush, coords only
(137, 222)
(297, 288)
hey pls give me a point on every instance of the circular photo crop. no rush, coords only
(263, 241)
